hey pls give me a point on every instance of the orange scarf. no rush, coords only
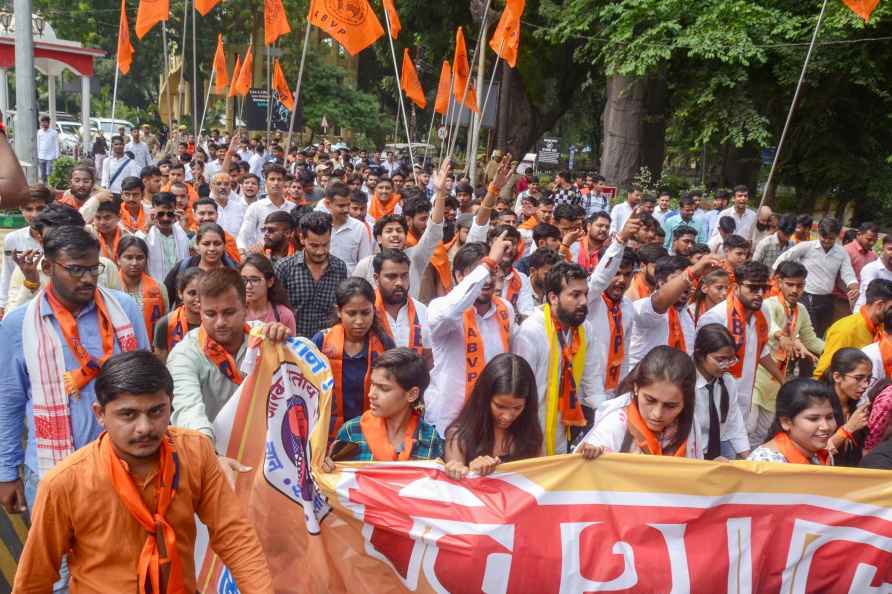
(269, 253)
(333, 348)
(793, 455)
(411, 240)
(676, 332)
(641, 286)
(232, 248)
(152, 302)
(528, 224)
(159, 569)
(644, 438)
(792, 314)
(377, 209)
(871, 326)
(76, 379)
(886, 355)
(475, 358)
(569, 403)
(441, 264)
(110, 252)
(374, 429)
(512, 288)
(616, 350)
(414, 324)
(587, 258)
(69, 200)
(737, 325)
(219, 356)
(177, 327)
(139, 224)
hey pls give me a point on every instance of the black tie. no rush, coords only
(714, 447)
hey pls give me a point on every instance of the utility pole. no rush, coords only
(25, 96)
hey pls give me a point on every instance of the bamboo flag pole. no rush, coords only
(115, 91)
(457, 122)
(300, 76)
(402, 103)
(485, 100)
(196, 126)
(167, 78)
(206, 101)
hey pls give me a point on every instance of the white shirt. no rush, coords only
(611, 427)
(140, 151)
(446, 394)
(716, 245)
(251, 233)
(110, 167)
(822, 266)
(872, 271)
(531, 343)
(619, 215)
(19, 240)
(159, 265)
(660, 215)
(256, 163)
(230, 217)
(523, 304)
(651, 329)
(351, 243)
(245, 155)
(873, 353)
(47, 144)
(718, 314)
(734, 428)
(746, 222)
(390, 167)
(402, 325)
(212, 168)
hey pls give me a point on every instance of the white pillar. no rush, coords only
(4, 93)
(25, 99)
(51, 95)
(85, 113)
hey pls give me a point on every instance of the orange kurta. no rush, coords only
(78, 509)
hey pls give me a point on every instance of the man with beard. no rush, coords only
(401, 316)
(561, 347)
(167, 241)
(278, 236)
(750, 324)
(417, 212)
(80, 186)
(587, 251)
(469, 326)
(540, 264)
(516, 288)
(795, 338)
(683, 240)
(644, 282)
(663, 318)
(230, 208)
(250, 233)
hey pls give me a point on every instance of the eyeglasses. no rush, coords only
(253, 280)
(724, 362)
(863, 379)
(78, 271)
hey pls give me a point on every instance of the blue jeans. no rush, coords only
(727, 451)
(44, 168)
(31, 480)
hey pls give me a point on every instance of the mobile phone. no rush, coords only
(341, 451)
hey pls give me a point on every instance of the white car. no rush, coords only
(110, 127)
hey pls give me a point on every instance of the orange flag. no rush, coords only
(280, 86)
(149, 14)
(409, 81)
(863, 8)
(246, 74)
(221, 76)
(506, 40)
(394, 17)
(205, 6)
(461, 73)
(355, 26)
(233, 86)
(275, 21)
(441, 105)
(125, 49)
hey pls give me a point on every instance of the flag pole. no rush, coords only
(399, 92)
(449, 110)
(474, 129)
(115, 91)
(464, 97)
(206, 101)
(181, 88)
(428, 141)
(300, 76)
(780, 144)
(167, 78)
(486, 99)
(269, 95)
(195, 76)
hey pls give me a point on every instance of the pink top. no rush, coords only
(859, 256)
(286, 316)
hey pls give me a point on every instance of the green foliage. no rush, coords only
(62, 167)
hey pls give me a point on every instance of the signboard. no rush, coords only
(550, 151)
(255, 112)
(768, 155)
(609, 192)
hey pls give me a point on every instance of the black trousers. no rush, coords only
(820, 309)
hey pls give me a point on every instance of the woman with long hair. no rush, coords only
(264, 294)
(712, 290)
(717, 412)
(173, 327)
(352, 343)
(849, 376)
(499, 422)
(654, 415)
(133, 260)
(804, 422)
(210, 242)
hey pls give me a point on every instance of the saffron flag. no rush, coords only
(409, 81)
(621, 523)
(394, 18)
(125, 49)
(149, 14)
(205, 6)
(863, 8)
(221, 76)
(352, 23)
(246, 74)
(441, 104)
(280, 86)
(506, 40)
(233, 84)
(275, 21)
(461, 74)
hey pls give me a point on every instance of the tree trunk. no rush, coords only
(653, 127)
(504, 114)
(621, 151)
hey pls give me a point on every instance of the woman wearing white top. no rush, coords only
(654, 415)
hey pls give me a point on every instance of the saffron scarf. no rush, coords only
(414, 324)
(152, 302)
(475, 359)
(512, 288)
(333, 348)
(528, 224)
(641, 286)
(676, 332)
(563, 379)
(737, 326)
(440, 262)
(159, 569)
(177, 327)
(269, 253)
(411, 240)
(586, 258)
(794, 455)
(232, 248)
(133, 225)
(377, 209)
(616, 350)
(644, 438)
(374, 429)
(219, 356)
(871, 326)
(110, 251)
